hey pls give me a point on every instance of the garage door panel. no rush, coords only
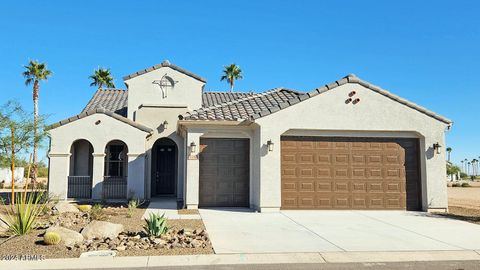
(324, 186)
(224, 173)
(349, 173)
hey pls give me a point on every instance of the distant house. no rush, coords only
(6, 175)
(346, 145)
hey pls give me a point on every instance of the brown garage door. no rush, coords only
(224, 172)
(350, 173)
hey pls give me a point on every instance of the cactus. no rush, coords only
(84, 208)
(51, 238)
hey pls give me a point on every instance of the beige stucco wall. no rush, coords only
(99, 135)
(327, 114)
(194, 134)
(154, 116)
(141, 90)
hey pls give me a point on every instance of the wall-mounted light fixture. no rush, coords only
(436, 147)
(270, 145)
(193, 147)
(165, 124)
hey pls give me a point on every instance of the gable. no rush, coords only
(163, 86)
(352, 79)
(336, 109)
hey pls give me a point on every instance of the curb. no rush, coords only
(236, 259)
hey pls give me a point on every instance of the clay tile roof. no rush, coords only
(243, 107)
(102, 111)
(113, 100)
(263, 104)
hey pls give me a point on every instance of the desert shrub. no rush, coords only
(465, 185)
(156, 225)
(463, 175)
(21, 217)
(97, 213)
(456, 184)
(51, 238)
(84, 208)
(42, 172)
(132, 205)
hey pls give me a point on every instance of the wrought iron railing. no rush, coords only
(114, 187)
(79, 187)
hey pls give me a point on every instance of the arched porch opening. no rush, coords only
(116, 170)
(81, 169)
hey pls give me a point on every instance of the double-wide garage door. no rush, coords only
(224, 173)
(350, 173)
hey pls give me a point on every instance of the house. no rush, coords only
(346, 145)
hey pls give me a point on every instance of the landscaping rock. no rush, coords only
(65, 207)
(102, 229)
(69, 237)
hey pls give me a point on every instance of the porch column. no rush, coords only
(98, 173)
(59, 167)
(136, 176)
(192, 171)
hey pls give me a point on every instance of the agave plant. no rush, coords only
(156, 225)
(21, 218)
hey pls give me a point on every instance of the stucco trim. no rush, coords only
(165, 63)
(102, 111)
(350, 79)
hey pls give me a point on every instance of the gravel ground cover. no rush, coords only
(185, 237)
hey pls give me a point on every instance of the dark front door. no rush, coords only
(164, 171)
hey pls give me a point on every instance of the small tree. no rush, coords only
(17, 134)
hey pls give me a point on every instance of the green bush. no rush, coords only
(97, 213)
(456, 185)
(21, 217)
(132, 205)
(466, 185)
(51, 238)
(463, 175)
(42, 172)
(156, 225)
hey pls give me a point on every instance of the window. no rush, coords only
(115, 160)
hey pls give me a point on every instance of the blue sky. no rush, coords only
(425, 51)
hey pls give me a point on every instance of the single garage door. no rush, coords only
(224, 173)
(350, 173)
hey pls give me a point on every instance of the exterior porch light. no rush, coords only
(165, 124)
(436, 147)
(270, 145)
(193, 147)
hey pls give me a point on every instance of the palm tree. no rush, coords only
(102, 77)
(34, 73)
(466, 169)
(463, 167)
(449, 150)
(231, 73)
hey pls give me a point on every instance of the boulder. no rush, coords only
(69, 237)
(102, 229)
(65, 207)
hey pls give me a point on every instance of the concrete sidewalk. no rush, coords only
(166, 206)
(237, 259)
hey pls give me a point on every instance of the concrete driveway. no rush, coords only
(244, 231)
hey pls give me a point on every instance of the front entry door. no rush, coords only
(165, 170)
